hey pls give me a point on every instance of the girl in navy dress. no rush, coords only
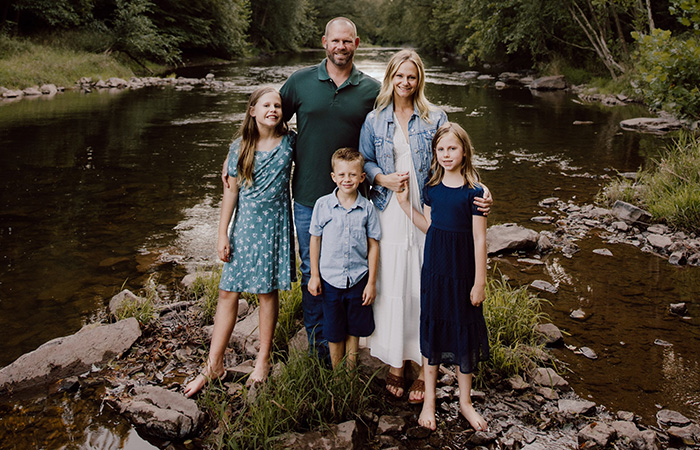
(258, 250)
(453, 278)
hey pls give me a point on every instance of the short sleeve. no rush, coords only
(426, 194)
(374, 229)
(315, 226)
(233, 158)
(476, 191)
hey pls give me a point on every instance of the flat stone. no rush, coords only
(598, 432)
(162, 413)
(482, 438)
(391, 424)
(517, 383)
(548, 377)
(688, 435)
(576, 407)
(70, 355)
(678, 308)
(542, 219)
(659, 241)
(32, 91)
(653, 125)
(531, 261)
(48, 89)
(547, 392)
(677, 258)
(551, 333)
(630, 213)
(340, 437)
(588, 353)
(12, 93)
(510, 237)
(620, 226)
(669, 417)
(602, 251)
(578, 314)
(662, 343)
(550, 83)
(629, 431)
(544, 286)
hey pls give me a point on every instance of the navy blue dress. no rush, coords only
(452, 330)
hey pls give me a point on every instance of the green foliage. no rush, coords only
(55, 13)
(668, 72)
(670, 191)
(512, 316)
(24, 63)
(206, 291)
(282, 25)
(290, 316)
(136, 35)
(302, 396)
(141, 308)
(688, 12)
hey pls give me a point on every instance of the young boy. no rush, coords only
(344, 251)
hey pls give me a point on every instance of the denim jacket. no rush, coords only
(377, 147)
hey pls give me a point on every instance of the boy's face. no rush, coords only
(347, 175)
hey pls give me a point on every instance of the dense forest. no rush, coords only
(654, 46)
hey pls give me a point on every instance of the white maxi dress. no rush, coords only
(397, 305)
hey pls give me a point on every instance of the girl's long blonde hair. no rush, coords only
(386, 93)
(466, 168)
(249, 135)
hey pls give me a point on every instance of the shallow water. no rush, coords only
(101, 190)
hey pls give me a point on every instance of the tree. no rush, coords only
(281, 25)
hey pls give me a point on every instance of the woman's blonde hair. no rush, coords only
(469, 173)
(386, 93)
(249, 135)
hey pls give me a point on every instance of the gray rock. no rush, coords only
(678, 308)
(12, 93)
(688, 435)
(117, 82)
(658, 228)
(551, 83)
(531, 261)
(299, 342)
(549, 201)
(588, 353)
(620, 226)
(583, 122)
(391, 424)
(32, 91)
(662, 343)
(542, 219)
(485, 77)
(340, 437)
(70, 355)
(547, 392)
(48, 89)
(544, 244)
(578, 314)
(551, 333)
(626, 416)
(548, 377)
(598, 432)
(544, 286)
(162, 413)
(677, 258)
(510, 237)
(649, 440)
(659, 241)
(123, 299)
(653, 125)
(629, 432)
(576, 407)
(482, 438)
(517, 383)
(630, 213)
(209, 77)
(602, 251)
(500, 85)
(668, 417)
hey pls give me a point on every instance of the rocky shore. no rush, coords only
(142, 370)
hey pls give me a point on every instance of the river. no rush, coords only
(101, 190)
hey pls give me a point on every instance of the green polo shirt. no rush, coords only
(328, 118)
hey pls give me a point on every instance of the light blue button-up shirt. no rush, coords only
(344, 234)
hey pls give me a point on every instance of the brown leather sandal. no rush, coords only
(395, 381)
(417, 386)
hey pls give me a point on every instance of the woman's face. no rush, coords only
(405, 80)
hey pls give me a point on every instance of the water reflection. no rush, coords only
(103, 189)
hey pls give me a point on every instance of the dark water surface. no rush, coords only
(104, 189)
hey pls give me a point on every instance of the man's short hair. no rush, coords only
(341, 19)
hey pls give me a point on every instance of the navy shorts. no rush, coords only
(343, 313)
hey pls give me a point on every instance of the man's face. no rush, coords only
(340, 44)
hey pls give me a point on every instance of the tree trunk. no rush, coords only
(651, 19)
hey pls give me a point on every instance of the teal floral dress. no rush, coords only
(260, 236)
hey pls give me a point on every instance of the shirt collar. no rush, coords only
(390, 112)
(358, 201)
(353, 79)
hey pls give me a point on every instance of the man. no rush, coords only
(330, 100)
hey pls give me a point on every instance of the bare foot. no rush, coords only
(395, 382)
(259, 373)
(474, 418)
(202, 379)
(427, 417)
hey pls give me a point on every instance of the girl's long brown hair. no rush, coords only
(249, 135)
(467, 169)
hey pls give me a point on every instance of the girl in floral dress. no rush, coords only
(257, 252)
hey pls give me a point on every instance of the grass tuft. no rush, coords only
(143, 308)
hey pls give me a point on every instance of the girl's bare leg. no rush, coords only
(427, 414)
(337, 351)
(224, 321)
(269, 310)
(465, 402)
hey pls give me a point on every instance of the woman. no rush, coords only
(395, 141)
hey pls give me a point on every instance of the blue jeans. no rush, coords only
(312, 306)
